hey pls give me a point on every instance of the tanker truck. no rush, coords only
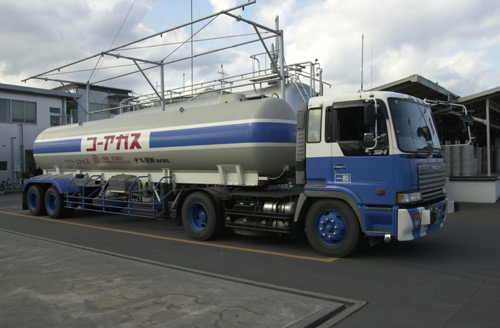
(365, 166)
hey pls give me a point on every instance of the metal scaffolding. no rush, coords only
(141, 65)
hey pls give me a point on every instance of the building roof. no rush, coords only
(36, 91)
(481, 96)
(479, 102)
(94, 87)
(420, 87)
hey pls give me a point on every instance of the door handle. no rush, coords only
(340, 167)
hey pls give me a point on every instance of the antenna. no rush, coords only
(192, 57)
(362, 52)
(371, 70)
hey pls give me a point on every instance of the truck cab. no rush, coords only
(379, 152)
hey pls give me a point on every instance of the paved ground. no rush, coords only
(450, 278)
(47, 284)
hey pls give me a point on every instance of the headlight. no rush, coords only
(408, 197)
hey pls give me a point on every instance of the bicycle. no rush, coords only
(6, 187)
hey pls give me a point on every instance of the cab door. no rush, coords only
(359, 147)
(318, 151)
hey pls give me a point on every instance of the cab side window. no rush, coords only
(351, 124)
(347, 125)
(314, 125)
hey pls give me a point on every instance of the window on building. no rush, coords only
(29, 112)
(4, 111)
(3, 166)
(17, 111)
(23, 111)
(55, 116)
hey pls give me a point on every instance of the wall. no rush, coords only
(24, 134)
(473, 191)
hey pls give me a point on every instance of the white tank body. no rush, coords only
(258, 134)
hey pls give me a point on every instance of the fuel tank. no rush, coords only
(258, 134)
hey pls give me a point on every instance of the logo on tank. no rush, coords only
(112, 142)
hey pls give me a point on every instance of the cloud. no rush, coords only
(451, 42)
(219, 5)
(408, 37)
(41, 35)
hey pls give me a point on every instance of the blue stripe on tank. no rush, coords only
(262, 132)
(57, 146)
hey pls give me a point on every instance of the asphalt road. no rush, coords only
(450, 278)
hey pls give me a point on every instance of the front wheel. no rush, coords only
(332, 228)
(200, 217)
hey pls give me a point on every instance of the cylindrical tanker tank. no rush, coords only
(258, 134)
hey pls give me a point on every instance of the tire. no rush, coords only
(54, 203)
(36, 200)
(200, 217)
(332, 228)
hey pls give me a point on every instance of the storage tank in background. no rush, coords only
(455, 164)
(447, 158)
(467, 160)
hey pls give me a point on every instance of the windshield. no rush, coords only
(415, 131)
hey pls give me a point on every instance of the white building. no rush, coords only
(100, 98)
(24, 113)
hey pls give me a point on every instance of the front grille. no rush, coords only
(431, 180)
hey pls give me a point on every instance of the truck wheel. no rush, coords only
(332, 228)
(54, 203)
(36, 200)
(199, 217)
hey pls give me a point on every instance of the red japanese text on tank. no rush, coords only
(115, 142)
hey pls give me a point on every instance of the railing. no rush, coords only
(256, 80)
(99, 199)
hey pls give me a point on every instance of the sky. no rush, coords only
(451, 42)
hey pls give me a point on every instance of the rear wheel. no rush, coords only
(200, 217)
(54, 203)
(332, 228)
(36, 200)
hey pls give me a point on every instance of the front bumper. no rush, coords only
(413, 223)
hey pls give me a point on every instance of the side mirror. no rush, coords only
(467, 119)
(368, 138)
(370, 114)
(424, 131)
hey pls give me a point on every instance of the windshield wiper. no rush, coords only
(428, 147)
(429, 150)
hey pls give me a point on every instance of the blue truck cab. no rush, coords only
(379, 152)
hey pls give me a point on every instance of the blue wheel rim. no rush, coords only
(33, 200)
(331, 227)
(51, 202)
(198, 216)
